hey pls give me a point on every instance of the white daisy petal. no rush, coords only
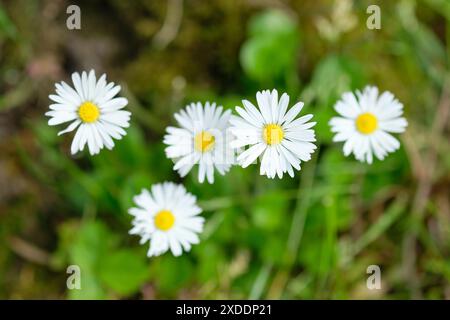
(158, 244)
(97, 137)
(84, 136)
(253, 111)
(210, 172)
(75, 147)
(175, 246)
(275, 136)
(292, 113)
(70, 128)
(76, 80)
(339, 124)
(301, 122)
(114, 104)
(367, 119)
(168, 218)
(60, 117)
(108, 142)
(109, 95)
(247, 117)
(397, 125)
(91, 84)
(201, 140)
(379, 151)
(201, 171)
(263, 99)
(61, 100)
(85, 85)
(389, 141)
(274, 105)
(92, 108)
(91, 141)
(251, 154)
(348, 145)
(284, 103)
(113, 130)
(293, 161)
(62, 107)
(68, 93)
(99, 87)
(120, 118)
(349, 106)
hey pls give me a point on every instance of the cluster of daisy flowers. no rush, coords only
(206, 135)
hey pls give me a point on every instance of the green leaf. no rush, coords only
(172, 273)
(124, 271)
(269, 212)
(91, 246)
(270, 53)
(7, 28)
(263, 60)
(270, 22)
(332, 76)
(92, 242)
(91, 288)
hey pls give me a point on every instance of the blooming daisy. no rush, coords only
(273, 134)
(200, 140)
(92, 110)
(367, 119)
(168, 217)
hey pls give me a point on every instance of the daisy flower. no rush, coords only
(168, 217)
(274, 135)
(92, 109)
(366, 121)
(201, 139)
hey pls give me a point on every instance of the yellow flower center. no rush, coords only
(204, 141)
(366, 123)
(164, 220)
(273, 134)
(88, 112)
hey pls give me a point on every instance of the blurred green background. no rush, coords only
(311, 237)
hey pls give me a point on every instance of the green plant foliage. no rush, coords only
(106, 269)
(7, 28)
(308, 237)
(271, 50)
(124, 271)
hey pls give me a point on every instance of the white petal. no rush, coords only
(91, 84)
(61, 117)
(120, 118)
(91, 141)
(292, 113)
(75, 147)
(251, 154)
(284, 102)
(114, 104)
(251, 109)
(70, 128)
(263, 99)
(78, 86)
